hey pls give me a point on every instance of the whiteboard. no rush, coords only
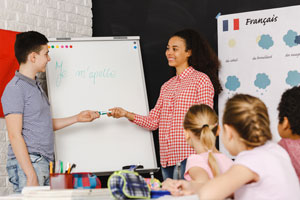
(97, 74)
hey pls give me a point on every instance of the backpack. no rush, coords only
(126, 184)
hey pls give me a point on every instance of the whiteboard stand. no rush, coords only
(99, 73)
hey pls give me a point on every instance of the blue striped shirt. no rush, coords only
(25, 96)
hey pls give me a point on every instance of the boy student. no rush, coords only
(28, 117)
(289, 125)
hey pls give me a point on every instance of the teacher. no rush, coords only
(196, 82)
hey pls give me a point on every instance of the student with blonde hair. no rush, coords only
(201, 128)
(262, 169)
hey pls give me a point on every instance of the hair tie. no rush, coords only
(205, 125)
(209, 151)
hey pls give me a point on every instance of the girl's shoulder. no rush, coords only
(223, 156)
(270, 150)
(288, 141)
(197, 156)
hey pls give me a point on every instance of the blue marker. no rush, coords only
(103, 112)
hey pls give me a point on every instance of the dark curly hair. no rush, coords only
(203, 57)
(289, 107)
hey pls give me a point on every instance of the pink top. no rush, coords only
(277, 176)
(293, 149)
(201, 160)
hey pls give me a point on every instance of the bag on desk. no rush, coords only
(85, 180)
(127, 184)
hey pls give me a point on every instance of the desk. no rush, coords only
(68, 194)
(74, 194)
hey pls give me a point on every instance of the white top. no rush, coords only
(277, 177)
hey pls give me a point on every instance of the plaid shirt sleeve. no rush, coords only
(151, 121)
(206, 92)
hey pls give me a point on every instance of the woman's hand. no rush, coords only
(117, 112)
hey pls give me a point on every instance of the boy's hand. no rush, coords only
(32, 180)
(87, 116)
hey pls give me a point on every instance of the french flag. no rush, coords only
(236, 24)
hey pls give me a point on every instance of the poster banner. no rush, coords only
(260, 55)
(8, 61)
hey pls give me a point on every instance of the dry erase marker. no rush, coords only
(67, 167)
(61, 167)
(51, 167)
(103, 112)
(72, 167)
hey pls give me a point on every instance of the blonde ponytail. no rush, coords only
(212, 162)
(202, 121)
(208, 138)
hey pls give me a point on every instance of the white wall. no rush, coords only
(53, 18)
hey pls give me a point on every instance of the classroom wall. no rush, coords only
(54, 18)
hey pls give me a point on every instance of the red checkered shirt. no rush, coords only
(176, 96)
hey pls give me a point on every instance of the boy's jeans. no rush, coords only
(17, 176)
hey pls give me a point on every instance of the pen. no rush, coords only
(178, 170)
(72, 167)
(61, 167)
(69, 170)
(103, 112)
(56, 167)
(152, 179)
(67, 167)
(51, 167)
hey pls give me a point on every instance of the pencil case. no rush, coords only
(85, 180)
(127, 184)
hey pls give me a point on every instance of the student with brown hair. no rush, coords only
(28, 116)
